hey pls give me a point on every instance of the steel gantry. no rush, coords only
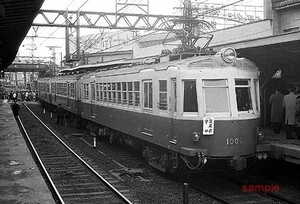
(104, 20)
(101, 20)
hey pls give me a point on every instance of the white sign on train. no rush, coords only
(208, 126)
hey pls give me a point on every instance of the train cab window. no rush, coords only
(163, 102)
(130, 93)
(256, 89)
(86, 91)
(190, 103)
(148, 97)
(216, 96)
(243, 95)
(119, 93)
(136, 93)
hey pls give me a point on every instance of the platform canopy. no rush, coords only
(16, 17)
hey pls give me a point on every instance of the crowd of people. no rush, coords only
(20, 95)
(285, 109)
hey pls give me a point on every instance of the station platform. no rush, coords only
(280, 148)
(20, 178)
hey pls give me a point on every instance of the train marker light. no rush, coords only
(265, 155)
(260, 135)
(228, 55)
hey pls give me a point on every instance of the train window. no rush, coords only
(101, 91)
(86, 91)
(48, 87)
(97, 92)
(62, 88)
(163, 102)
(216, 96)
(130, 93)
(105, 92)
(124, 93)
(80, 92)
(148, 97)
(114, 95)
(190, 103)
(53, 88)
(93, 91)
(109, 92)
(119, 93)
(243, 96)
(136, 93)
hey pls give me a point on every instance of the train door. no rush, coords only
(79, 97)
(173, 110)
(93, 98)
(54, 91)
(50, 92)
(68, 95)
(147, 119)
(74, 96)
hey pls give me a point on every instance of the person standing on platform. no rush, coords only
(15, 108)
(297, 115)
(277, 111)
(289, 104)
(60, 115)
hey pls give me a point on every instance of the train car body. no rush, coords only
(192, 111)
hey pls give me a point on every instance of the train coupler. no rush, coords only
(201, 157)
(238, 163)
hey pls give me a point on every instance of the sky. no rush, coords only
(51, 36)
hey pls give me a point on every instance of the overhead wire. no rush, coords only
(59, 27)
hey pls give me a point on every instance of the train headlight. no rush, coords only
(260, 135)
(228, 55)
(196, 136)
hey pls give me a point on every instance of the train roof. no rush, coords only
(181, 61)
(107, 65)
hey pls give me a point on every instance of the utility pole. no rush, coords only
(189, 23)
(53, 49)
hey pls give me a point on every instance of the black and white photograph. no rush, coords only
(150, 101)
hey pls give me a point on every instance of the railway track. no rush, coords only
(227, 191)
(71, 178)
(145, 186)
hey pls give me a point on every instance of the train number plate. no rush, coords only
(234, 141)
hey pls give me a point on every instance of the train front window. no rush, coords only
(190, 103)
(243, 95)
(216, 96)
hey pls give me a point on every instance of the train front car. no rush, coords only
(220, 111)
